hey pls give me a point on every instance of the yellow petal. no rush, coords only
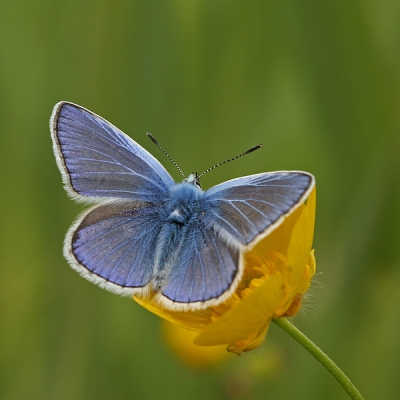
(252, 315)
(180, 340)
(252, 342)
(301, 239)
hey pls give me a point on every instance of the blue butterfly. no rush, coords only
(147, 233)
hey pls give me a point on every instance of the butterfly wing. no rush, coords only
(203, 270)
(248, 208)
(98, 161)
(113, 245)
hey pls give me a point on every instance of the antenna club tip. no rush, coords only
(254, 148)
(152, 137)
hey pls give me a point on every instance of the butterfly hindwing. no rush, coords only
(249, 207)
(204, 268)
(97, 160)
(113, 245)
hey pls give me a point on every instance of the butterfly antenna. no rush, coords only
(231, 159)
(154, 140)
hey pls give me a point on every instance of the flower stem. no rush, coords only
(319, 355)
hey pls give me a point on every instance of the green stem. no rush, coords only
(314, 350)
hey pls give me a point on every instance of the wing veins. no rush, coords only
(219, 256)
(109, 229)
(116, 190)
(255, 200)
(224, 220)
(110, 172)
(95, 132)
(202, 271)
(116, 162)
(113, 251)
(244, 215)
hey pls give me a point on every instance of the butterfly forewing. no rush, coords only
(247, 207)
(97, 160)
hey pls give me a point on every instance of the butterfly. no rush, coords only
(147, 234)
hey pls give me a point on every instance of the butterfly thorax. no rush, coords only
(184, 203)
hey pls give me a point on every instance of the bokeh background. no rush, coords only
(317, 82)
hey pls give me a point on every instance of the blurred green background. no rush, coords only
(317, 82)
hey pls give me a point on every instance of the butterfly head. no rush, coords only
(193, 179)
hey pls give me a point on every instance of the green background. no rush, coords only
(317, 82)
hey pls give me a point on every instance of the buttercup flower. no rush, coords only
(278, 272)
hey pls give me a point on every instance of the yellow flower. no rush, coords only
(278, 272)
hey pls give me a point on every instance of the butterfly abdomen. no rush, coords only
(183, 209)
